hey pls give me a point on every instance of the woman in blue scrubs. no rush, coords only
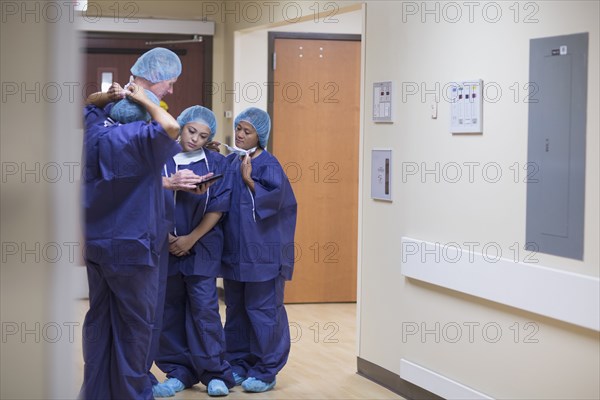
(258, 256)
(125, 230)
(192, 343)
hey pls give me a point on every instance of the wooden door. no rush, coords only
(316, 104)
(116, 53)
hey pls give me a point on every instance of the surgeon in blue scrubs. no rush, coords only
(125, 145)
(192, 343)
(258, 256)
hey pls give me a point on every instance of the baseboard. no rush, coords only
(393, 381)
(437, 383)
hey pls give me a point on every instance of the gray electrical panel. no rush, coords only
(556, 145)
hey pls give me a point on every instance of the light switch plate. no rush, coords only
(381, 174)
(383, 95)
(466, 107)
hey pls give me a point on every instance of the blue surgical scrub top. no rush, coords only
(189, 209)
(259, 228)
(124, 205)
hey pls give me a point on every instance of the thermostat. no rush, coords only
(382, 101)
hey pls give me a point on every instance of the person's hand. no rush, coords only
(246, 169)
(213, 145)
(181, 245)
(184, 179)
(201, 188)
(136, 93)
(116, 92)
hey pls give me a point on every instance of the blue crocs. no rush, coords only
(162, 390)
(217, 387)
(256, 385)
(238, 379)
(174, 384)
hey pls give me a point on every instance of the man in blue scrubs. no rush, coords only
(126, 230)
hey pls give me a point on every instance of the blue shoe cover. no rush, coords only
(238, 379)
(174, 384)
(256, 385)
(162, 390)
(217, 387)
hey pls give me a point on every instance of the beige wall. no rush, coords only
(41, 163)
(565, 362)
(24, 209)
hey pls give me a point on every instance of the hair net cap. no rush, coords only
(156, 65)
(127, 110)
(199, 114)
(260, 120)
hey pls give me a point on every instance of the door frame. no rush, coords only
(272, 36)
(207, 54)
(297, 35)
(155, 26)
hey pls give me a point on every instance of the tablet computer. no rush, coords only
(212, 178)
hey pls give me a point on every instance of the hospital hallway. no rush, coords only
(321, 365)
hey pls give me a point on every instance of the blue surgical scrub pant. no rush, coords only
(256, 328)
(117, 331)
(192, 343)
(160, 305)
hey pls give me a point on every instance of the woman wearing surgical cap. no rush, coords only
(258, 256)
(124, 235)
(192, 343)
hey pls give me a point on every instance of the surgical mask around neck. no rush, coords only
(240, 152)
(185, 158)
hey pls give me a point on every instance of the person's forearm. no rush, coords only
(166, 183)
(208, 222)
(250, 184)
(101, 99)
(165, 119)
(98, 99)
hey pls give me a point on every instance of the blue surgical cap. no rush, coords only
(127, 110)
(260, 120)
(199, 114)
(156, 65)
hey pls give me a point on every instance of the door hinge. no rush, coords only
(274, 61)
